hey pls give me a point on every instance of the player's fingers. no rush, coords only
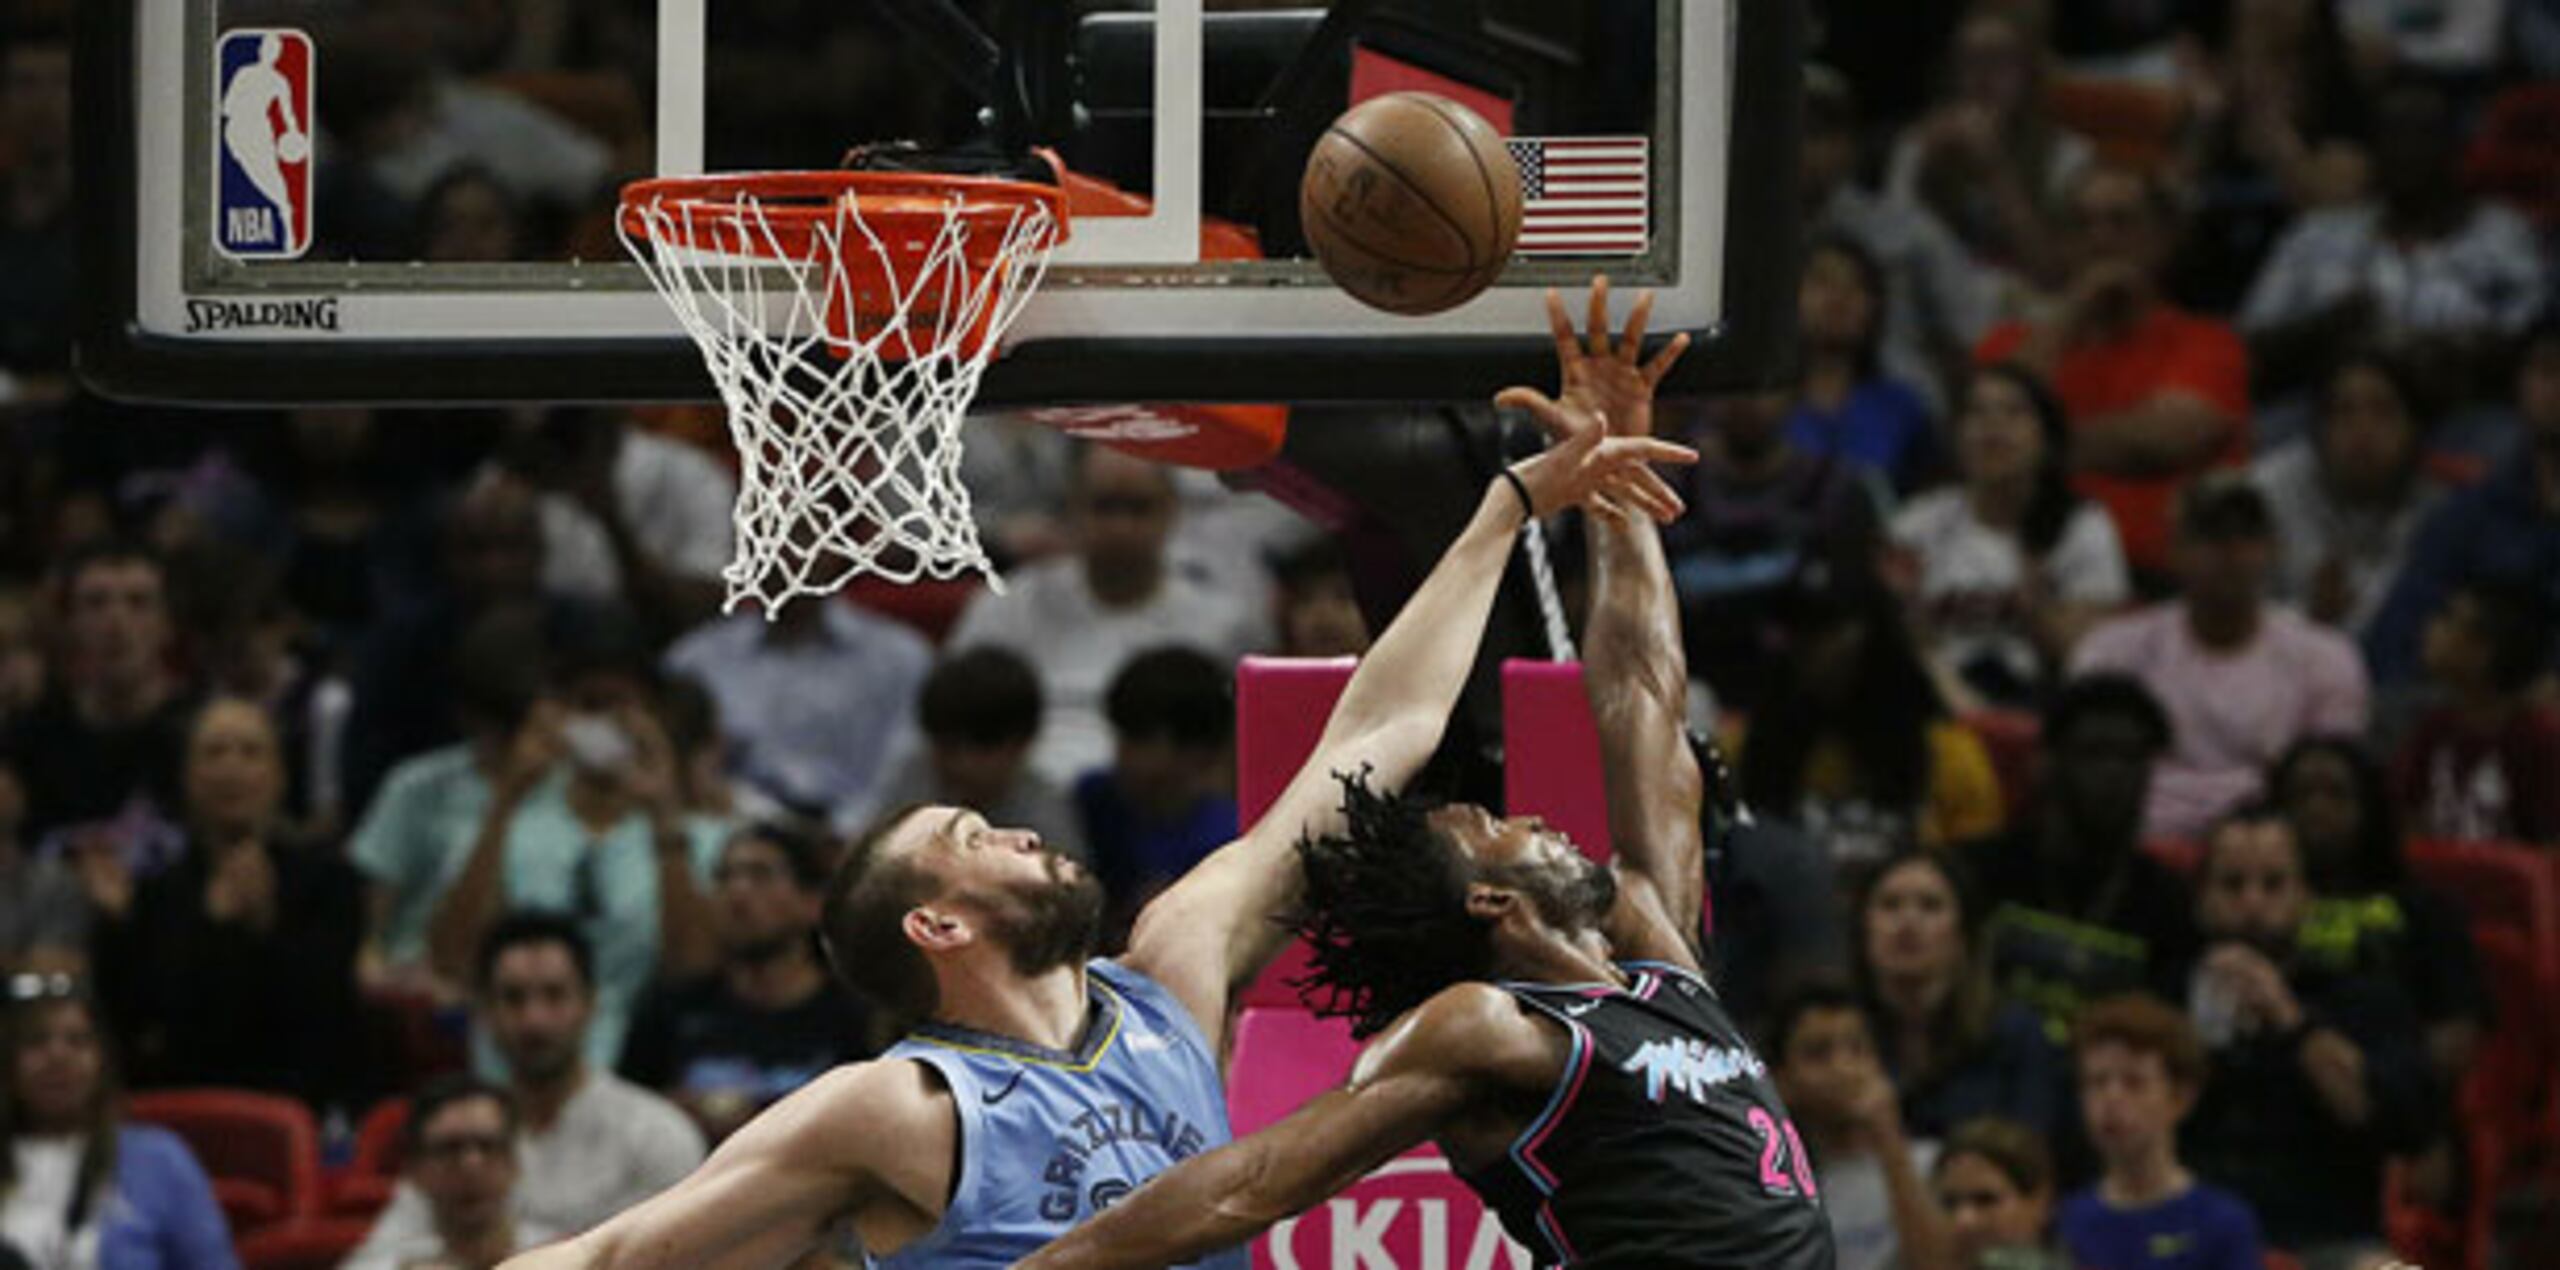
(1568, 345)
(1562, 426)
(1631, 344)
(1598, 334)
(1649, 450)
(1659, 368)
(1648, 493)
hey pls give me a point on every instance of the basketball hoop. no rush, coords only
(847, 318)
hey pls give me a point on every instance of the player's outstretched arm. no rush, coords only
(1634, 668)
(1216, 929)
(1468, 1043)
(863, 1135)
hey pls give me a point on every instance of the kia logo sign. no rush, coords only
(1412, 1214)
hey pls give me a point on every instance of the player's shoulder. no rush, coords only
(887, 1094)
(1472, 1027)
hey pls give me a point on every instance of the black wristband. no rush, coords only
(1528, 506)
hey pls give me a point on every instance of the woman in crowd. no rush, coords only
(1994, 1180)
(2349, 497)
(2006, 570)
(236, 966)
(1845, 404)
(1954, 1050)
(2368, 915)
(80, 1188)
(1853, 739)
(1987, 160)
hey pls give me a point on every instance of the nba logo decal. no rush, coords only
(262, 168)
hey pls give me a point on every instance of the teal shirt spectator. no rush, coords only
(609, 884)
(413, 841)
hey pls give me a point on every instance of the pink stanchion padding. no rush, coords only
(1411, 1212)
(1551, 752)
(1281, 707)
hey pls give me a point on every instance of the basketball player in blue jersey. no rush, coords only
(1545, 1019)
(1044, 1085)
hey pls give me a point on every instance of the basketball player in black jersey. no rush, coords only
(1544, 1018)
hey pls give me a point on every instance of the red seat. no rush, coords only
(365, 1185)
(253, 1146)
(1412, 1211)
(313, 1244)
(2512, 151)
(2504, 887)
(2011, 738)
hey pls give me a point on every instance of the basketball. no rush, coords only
(293, 147)
(1412, 203)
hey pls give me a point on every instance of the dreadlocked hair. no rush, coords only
(1385, 912)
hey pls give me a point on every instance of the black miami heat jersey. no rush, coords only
(1663, 1145)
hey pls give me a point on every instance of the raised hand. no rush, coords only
(1583, 465)
(1601, 372)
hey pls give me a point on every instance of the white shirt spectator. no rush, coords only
(614, 1145)
(1936, 299)
(2312, 527)
(534, 153)
(1049, 617)
(388, 1249)
(2452, 37)
(677, 501)
(818, 721)
(1973, 578)
(2484, 277)
(1858, 1203)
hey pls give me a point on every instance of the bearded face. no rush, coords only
(1045, 924)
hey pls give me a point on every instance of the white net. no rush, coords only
(847, 342)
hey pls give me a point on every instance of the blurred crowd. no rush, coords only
(2142, 590)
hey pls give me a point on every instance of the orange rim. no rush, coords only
(906, 209)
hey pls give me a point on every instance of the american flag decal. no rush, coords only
(1586, 196)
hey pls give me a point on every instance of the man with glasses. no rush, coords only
(1079, 619)
(768, 1020)
(459, 1152)
(2157, 395)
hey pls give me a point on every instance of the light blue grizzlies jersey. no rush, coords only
(1049, 1139)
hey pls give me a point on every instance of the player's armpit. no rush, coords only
(1434, 1065)
(860, 1140)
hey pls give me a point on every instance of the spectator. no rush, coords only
(2241, 679)
(2012, 566)
(587, 819)
(1319, 611)
(1870, 1173)
(1845, 403)
(44, 917)
(1994, 1181)
(2461, 41)
(236, 965)
(2505, 531)
(2317, 1076)
(1761, 514)
(628, 516)
(102, 750)
(728, 1045)
(591, 1144)
(818, 702)
(458, 1152)
(981, 712)
(1987, 160)
(2348, 499)
(80, 1185)
(412, 841)
(2141, 1070)
(36, 210)
(1954, 1050)
(1078, 620)
(1936, 303)
(2368, 918)
(2484, 766)
(2156, 395)
(1167, 799)
(467, 215)
(2421, 263)
(1853, 739)
(2077, 910)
